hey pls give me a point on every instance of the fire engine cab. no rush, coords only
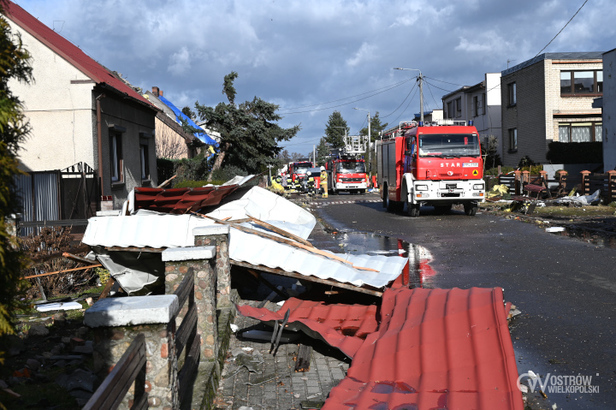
(435, 164)
(347, 173)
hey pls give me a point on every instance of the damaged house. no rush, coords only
(86, 123)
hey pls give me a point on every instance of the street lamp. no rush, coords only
(369, 137)
(420, 79)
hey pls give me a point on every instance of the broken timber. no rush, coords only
(285, 241)
(315, 279)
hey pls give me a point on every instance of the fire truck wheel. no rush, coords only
(413, 210)
(470, 209)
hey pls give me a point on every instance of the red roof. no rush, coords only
(434, 349)
(180, 200)
(70, 52)
(342, 326)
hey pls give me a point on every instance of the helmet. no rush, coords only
(322, 168)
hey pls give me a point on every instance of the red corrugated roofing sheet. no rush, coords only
(435, 349)
(180, 200)
(69, 51)
(342, 326)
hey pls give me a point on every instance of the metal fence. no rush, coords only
(66, 197)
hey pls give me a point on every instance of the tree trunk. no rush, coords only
(217, 164)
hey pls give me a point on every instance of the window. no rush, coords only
(580, 132)
(458, 103)
(450, 109)
(117, 161)
(512, 91)
(145, 162)
(581, 82)
(484, 100)
(513, 139)
(475, 106)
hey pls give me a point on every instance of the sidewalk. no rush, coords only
(253, 378)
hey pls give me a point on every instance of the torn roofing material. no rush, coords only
(342, 326)
(179, 200)
(381, 270)
(435, 348)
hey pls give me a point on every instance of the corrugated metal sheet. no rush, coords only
(245, 247)
(179, 200)
(156, 230)
(342, 326)
(434, 349)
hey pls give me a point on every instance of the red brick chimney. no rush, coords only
(156, 91)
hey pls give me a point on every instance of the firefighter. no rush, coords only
(324, 182)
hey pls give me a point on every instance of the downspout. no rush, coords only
(99, 131)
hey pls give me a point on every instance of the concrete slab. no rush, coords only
(186, 254)
(132, 310)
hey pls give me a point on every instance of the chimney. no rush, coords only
(156, 91)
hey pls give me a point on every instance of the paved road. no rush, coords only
(565, 288)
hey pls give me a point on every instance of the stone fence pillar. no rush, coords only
(201, 259)
(117, 321)
(218, 236)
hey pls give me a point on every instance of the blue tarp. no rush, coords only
(181, 117)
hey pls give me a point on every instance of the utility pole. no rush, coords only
(421, 100)
(369, 138)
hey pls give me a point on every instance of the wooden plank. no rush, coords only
(117, 383)
(295, 275)
(186, 375)
(279, 231)
(302, 363)
(290, 242)
(186, 287)
(107, 288)
(188, 326)
(62, 271)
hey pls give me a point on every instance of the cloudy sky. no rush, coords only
(317, 56)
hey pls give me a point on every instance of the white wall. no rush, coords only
(60, 113)
(609, 110)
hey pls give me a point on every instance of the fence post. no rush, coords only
(178, 262)
(118, 321)
(544, 177)
(611, 186)
(518, 181)
(585, 182)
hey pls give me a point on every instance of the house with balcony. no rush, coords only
(481, 104)
(547, 99)
(86, 122)
(608, 105)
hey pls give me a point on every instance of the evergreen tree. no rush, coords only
(322, 152)
(335, 130)
(249, 134)
(14, 64)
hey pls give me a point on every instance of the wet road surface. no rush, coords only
(565, 288)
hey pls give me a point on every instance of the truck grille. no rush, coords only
(351, 179)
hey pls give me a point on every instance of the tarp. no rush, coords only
(181, 117)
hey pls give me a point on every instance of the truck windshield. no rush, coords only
(302, 168)
(449, 145)
(351, 167)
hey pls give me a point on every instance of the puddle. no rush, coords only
(595, 237)
(357, 243)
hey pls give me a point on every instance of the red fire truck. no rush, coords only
(347, 173)
(438, 165)
(296, 174)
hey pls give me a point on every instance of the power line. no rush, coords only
(402, 103)
(371, 94)
(561, 30)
